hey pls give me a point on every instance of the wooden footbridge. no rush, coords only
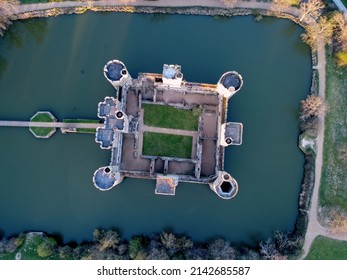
(49, 124)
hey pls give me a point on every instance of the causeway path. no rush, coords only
(314, 228)
(49, 124)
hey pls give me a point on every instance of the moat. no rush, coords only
(46, 184)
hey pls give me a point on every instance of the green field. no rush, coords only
(158, 144)
(169, 117)
(324, 248)
(42, 117)
(42, 131)
(333, 190)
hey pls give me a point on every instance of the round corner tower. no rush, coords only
(230, 83)
(224, 186)
(116, 73)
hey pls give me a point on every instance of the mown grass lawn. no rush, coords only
(324, 248)
(42, 131)
(158, 144)
(333, 189)
(169, 117)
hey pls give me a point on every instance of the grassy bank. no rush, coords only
(169, 117)
(158, 144)
(333, 190)
(31, 246)
(324, 248)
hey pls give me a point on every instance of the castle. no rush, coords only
(126, 133)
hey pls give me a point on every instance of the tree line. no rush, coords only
(7, 10)
(320, 24)
(108, 245)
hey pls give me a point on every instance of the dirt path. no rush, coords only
(159, 3)
(314, 228)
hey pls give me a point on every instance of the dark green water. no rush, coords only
(56, 65)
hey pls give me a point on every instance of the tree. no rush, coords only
(46, 247)
(65, 252)
(310, 125)
(220, 249)
(286, 242)
(197, 253)
(341, 58)
(109, 239)
(249, 254)
(10, 245)
(137, 248)
(322, 30)
(168, 240)
(7, 10)
(268, 251)
(174, 244)
(340, 31)
(310, 10)
(337, 222)
(340, 37)
(312, 106)
(157, 254)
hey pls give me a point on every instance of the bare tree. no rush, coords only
(310, 10)
(229, 3)
(157, 254)
(286, 242)
(197, 253)
(322, 30)
(168, 240)
(312, 106)
(109, 239)
(220, 249)
(340, 30)
(7, 10)
(337, 222)
(269, 251)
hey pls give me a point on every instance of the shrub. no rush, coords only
(341, 59)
